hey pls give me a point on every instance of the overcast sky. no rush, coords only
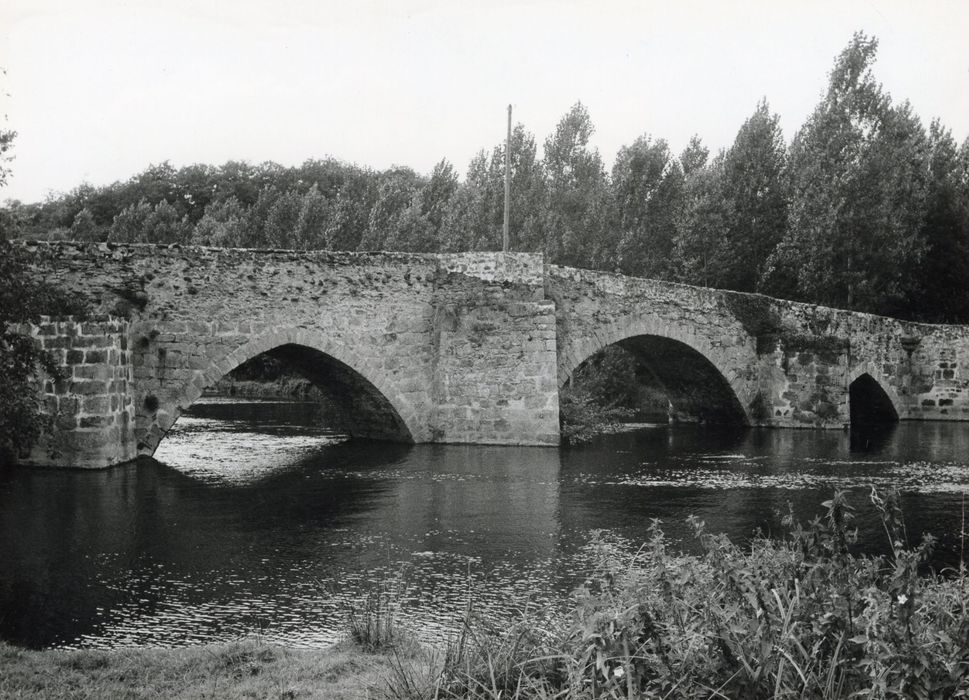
(98, 89)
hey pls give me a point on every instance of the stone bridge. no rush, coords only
(470, 347)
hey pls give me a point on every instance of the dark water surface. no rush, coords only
(253, 521)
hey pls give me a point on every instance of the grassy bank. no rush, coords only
(247, 669)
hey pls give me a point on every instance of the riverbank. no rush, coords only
(245, 669)
(286, 387)
(798, 617)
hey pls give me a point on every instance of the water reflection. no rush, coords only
(255, 520)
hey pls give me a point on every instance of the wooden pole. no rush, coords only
(504, 230)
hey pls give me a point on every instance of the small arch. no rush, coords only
(869, 403)
(698, 383)
(373, 407)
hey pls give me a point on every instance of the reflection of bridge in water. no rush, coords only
(462, 348)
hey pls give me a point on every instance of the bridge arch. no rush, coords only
(871, 397)
(718, 382)
(363, 381)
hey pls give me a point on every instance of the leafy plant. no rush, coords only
(799, 617)
(22, 298)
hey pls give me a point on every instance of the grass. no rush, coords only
(245, 669)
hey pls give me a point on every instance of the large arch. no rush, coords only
(714, 394)
(871, 398)
(363, 384)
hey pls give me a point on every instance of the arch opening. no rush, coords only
(353, 404)
(350, 403)
(693, 388)
(869, 404)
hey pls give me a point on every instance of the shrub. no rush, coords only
(582, 416)
(23, 298)
(801, 617)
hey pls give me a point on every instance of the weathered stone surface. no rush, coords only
(408, 345)
(452, 348)
(91, 414)
(787, 364)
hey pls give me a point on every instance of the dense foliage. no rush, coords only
(612, 387)
(801, 617)
(22, 298)
(865, 209)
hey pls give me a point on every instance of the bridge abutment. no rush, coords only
(87, 403)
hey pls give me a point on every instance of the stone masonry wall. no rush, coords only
(89, 407)
(196, 313)
(496, 354)
(789, 364)
(466, 347)
(595, 310)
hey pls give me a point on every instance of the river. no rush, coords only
(252, 520)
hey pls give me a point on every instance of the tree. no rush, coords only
(350, 210)
(21, 299)
(6, 143)
(224, 224)
(279, 229)
(311, 224)
(700, 246)
(144, 223)
(578, 195)
(858, 177)
(467, 220)
(694, 156)
(395, 193)
(128, 226)
(528, 196)
(755, 198)
(83, 228)
(648, 187)
(942, 295)
(435, 198)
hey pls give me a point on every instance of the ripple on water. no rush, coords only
(222, 451)
(280, 527)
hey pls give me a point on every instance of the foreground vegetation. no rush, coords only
(801, 617)
(246, 669)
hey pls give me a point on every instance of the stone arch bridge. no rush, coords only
(469, 347)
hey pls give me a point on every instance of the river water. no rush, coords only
(254, 521)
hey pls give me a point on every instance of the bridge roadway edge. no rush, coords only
(466, 348)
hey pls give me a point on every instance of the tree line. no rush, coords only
(866, 208)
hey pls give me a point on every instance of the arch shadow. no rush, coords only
(697, 382)
(871, 402)
(366, 396)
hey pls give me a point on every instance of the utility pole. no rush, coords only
(504, 230)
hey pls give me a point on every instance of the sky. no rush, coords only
(99, 89)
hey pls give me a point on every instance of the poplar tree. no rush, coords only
(858, 174)
(754, 196)
(578, 194)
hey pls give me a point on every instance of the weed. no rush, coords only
(799, 617)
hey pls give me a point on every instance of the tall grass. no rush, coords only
(799, 617)
(374, 625)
